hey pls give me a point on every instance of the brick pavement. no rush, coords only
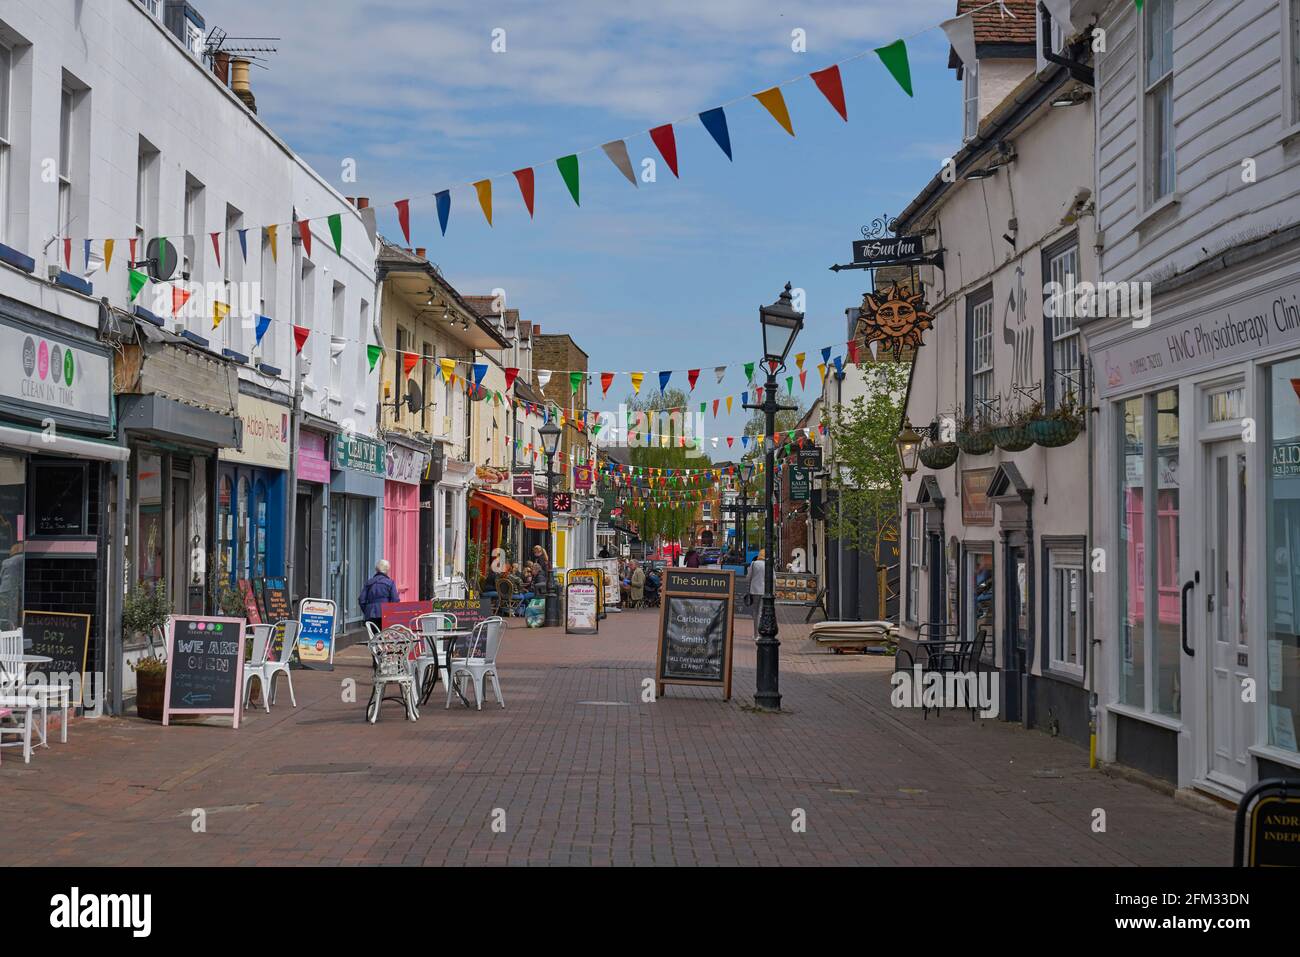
(587, 774)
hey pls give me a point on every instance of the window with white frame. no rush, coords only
(1158, 98)
(338, 342)
(232, 271)
(193, 234)
(915, 538)
(65, 162)
(970, 100)
(1064, 376)
(146, 195)
(1065, 609)
(6, 92)
(980, 391)
(363, 358)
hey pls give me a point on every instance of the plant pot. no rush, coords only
(149, 689)
(975, 443)
(1054, 433)
(939, 456)
(1012, 438)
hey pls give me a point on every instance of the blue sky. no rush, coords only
(669, 275)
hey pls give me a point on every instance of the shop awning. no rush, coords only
(55, 443)
(532, 518)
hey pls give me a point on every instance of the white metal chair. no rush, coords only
(274, 661)
(14, 696)
(372, 631)
(253, 667)
(391, 652)
(481, 661)
(48, 693)
(435, 653)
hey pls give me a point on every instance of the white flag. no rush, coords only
(961, 34)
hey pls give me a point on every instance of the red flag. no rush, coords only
(216, 246)
(304, 230)
(667, 144)
(803, 379)
(715, 407)
(606, 379)
(510, 378)
(525, 178)
(300, 334)
(404, 217)
(67, 253)
(853, 351)
(759, 392)
(409, 359)
(131, 264)
(179, 297)
(730, 440)
(692, 375)
(828, 81)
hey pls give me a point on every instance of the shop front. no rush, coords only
(311, 513)
(1198, 497)
(356, 520)
(404, 467)
(499, 524)
(252, 490)
(57, 477)
(451, 528)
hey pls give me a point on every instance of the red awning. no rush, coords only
(532, 518)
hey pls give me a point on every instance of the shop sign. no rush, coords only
(696, 619)
(1286, 460)
(896, 319)
(205, 667)
(563, 502)
(582, 478)
(522, 486)
(1246, 327)
(491, 474)
(359, 453)
(313, 461)
(976, 509)
(266, 435)
(402, 464)
(540, 502)
(49, 376)
(887, 251)
(800, 484)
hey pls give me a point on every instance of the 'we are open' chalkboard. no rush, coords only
(695, 628)
(205, 666)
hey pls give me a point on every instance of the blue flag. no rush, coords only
(243, 243)
(663, 380)
(263, 323)
(715, 121)
(444, 208)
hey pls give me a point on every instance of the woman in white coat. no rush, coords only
(757, 584)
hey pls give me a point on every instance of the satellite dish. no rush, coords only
(414, 397)
(162, 258)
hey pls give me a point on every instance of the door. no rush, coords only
(1227, 585)
(180, 545)
(304, 575)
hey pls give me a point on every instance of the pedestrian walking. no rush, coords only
(378, 589)
(757, 585)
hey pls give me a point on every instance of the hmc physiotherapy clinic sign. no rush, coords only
(43, 375)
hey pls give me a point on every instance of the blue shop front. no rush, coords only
(252, 492)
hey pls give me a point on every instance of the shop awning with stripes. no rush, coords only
(532, 518)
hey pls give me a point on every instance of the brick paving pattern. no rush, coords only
(586, 773)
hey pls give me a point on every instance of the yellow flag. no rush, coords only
(728, 405)
(798, 359)
(484, 189)
(108, 254)
(448, 369)
(774, 103)
(219, 311)
(637, 377)
(270, 236)
(821, 367)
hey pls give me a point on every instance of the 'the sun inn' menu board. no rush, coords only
(695, 628)
(205, 667)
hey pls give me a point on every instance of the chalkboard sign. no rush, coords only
(275, 601)
(64, 638)
(205, 666)
(695, 628)
(1268, 825)
(251, 611)
(581, 606)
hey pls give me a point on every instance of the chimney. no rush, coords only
(363, 202)
(221, 66)
(352, 200)
(421, 252)
(239, 82)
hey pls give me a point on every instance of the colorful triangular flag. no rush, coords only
(616, 150)
(894, 56)
(484, 189)
(300, 334)
(404, 218)
(829, 82)
(666, 142)
(442, 200)
(715, 121)
(568, 167)
(373, 352)
(774, 103)
(525, 179)
(335, 221)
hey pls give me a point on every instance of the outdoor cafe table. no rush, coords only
(439, 641)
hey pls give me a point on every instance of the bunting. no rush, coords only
(304, 231)
(404, 218)
(262, 324)
(300, 334)
(568, 167)
(774, 103)
(524, 177)
(442, 200)
(616, 150)
(219, 312)
(484, 189)
(894, 56)
(715, 121)
(373, 352)
(832, 87)
(666, 143)
(335, 221)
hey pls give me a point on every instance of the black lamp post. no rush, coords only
(781, 324)
(550, 433)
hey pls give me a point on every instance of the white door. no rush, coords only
(1227, 590)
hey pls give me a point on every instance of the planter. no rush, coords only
(975, 443)
(939, 456)
(1053, 433)
(1012, 438)
(149, 688)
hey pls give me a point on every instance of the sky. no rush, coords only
(667, 275)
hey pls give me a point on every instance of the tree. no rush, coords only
(863, 442)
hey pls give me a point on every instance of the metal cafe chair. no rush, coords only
(390, 654)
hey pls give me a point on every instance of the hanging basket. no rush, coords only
(1054, 433)
(975, 443)
(1012, 438)
(939, 456)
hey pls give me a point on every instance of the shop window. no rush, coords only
(980, 591)
(13, 532)
(225, 526)
(149, 517)
(259, 529)
(60, 500)
(1283, 556)
(1066, 632)
(1150, 645)
(243, 555)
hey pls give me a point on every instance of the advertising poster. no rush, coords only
(316, 636)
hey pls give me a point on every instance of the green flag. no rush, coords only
(336, 231)
(373, 353)
(575, 381)
(569, 170)
(137, 281)
(749, 372)
(894, 57)
(789, 384)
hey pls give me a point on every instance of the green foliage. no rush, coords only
(863, 435)
(226, 598)
(145, 608)
(149, 665)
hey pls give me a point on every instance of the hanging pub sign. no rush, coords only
(205, 667)
(809, 458)
(540, 502)
(583, 478)
(887, 251)
(695, 628)
(895, 319)
(1268, 826)
(976, 509)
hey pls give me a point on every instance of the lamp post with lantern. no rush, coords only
(550, 433)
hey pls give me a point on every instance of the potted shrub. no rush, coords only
(1059, 427)
(150, 687)
(974, 437)
(145, 609)
(938, 455)
(1013, 435)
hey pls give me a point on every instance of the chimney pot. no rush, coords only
(363, 202)
(421, 251)
(352, 200)
(221, 66)
(240, 84)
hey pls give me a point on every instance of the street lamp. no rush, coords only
(908, 444)
(550, 433)
(781, 323)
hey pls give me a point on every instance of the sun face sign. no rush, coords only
(897, 319)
